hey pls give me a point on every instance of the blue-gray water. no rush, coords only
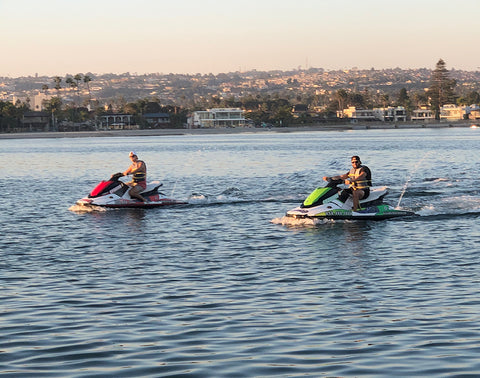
(222, 287)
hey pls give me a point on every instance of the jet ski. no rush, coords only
(113, 193)
(324, 203)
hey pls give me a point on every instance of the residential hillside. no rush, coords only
(187, 90)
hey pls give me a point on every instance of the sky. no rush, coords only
(59, 37)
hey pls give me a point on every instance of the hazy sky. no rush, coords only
(56, 37)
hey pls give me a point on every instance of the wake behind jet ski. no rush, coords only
(113, 193)
(324, 203)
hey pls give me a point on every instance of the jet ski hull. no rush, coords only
(379, 212)
(129, 204)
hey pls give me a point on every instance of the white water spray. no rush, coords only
(415, 168)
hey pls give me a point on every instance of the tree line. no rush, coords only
(277, 109)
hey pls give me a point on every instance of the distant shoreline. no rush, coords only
(237, 130)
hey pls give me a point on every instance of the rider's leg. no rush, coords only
(135, 193)
(344, 194)
(357, 196)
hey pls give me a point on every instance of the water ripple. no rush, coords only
(215, 289)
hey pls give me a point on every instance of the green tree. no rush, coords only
(469, 99)
(151, 107)
(420, 99)
(405, 101)
(341, 96)
(441, 88)
(54, 106)
(10, 116)
(357, 100)
(403, 98)
(283, 115)
(131, 108)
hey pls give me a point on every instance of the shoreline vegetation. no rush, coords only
(236, 130)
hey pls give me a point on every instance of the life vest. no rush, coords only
(139, 176)
(364, 184)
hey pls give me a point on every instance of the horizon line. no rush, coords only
(35, 75)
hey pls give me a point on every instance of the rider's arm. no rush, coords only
(129, 170)
(339, 177)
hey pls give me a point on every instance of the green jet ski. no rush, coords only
(324, 203)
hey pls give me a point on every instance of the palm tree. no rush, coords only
(78, 79)
(69, 80)
(87, 79)
(341, 96)
(57, 80)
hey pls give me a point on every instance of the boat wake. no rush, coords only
(300, 222)
(228, 196)
(453, 206)
(86, 209)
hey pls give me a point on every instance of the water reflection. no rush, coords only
(218, 275)
(126, 220)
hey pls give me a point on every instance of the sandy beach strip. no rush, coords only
(236, 130)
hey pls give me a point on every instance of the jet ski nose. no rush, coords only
(84, 201)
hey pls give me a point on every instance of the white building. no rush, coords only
(422, 114)
(218, 117)
(451, 112)
(116, 121)
(391, 114)
(448, 112)
(38, 100)
(359, 114)
(473, 111)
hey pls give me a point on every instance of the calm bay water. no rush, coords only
(223, 287)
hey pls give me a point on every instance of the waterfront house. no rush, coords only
(157, 120)
(391, 114)
(451, 112)
(357, 114)
(217, 117)
(36, 121)
(422, 114)
(473, 112)
(116, 121)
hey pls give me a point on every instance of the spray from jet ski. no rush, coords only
(407, 182)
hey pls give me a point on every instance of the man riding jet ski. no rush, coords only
(136, 193)
(360, 180)
(138, 170)
(115, 194)
(359, 201)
